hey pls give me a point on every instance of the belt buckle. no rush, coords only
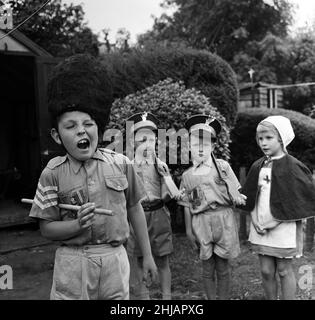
(213, 205)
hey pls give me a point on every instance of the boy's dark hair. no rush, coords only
(80, 83)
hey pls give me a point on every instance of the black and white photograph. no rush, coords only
(157, 150)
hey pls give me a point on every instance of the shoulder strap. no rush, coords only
(55, 162)
(221, 178)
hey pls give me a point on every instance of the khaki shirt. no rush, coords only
(206, 192)
(108, 179)
(153, 182)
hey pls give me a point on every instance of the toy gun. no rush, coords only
(74, 208)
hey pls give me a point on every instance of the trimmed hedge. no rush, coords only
(206, 72)
(244, 149)
(172, 103)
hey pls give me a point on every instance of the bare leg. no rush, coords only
(142, 292)
(287, 278)
(208, 267)
(268, 273)
(165, 276)
(222, 267)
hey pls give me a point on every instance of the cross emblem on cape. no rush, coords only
(266, 178)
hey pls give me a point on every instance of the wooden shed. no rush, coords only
(25, 142)
(260, 95)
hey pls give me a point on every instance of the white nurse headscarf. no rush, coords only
(284, 127)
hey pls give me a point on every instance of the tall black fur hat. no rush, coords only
(80, 83)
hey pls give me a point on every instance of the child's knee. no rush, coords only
(223, 273)
(283, 273)
(222, 267)
(208, 269)
(267, 273)
(162, 263)
(284, 270)
(207, 273)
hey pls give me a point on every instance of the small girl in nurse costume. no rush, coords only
(280, 193)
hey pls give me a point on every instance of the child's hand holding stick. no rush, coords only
(75, 208)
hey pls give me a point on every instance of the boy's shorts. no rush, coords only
(160, 234)
(98, 272)
(216, 232)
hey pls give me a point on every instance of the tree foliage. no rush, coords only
(222, 26)
(58, 28)
(198, 69)
(247, 34)
(283, 61)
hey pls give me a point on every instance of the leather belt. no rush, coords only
(152, 206)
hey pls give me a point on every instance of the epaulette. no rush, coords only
(105, 150)
(55, 162)
(187, 170)
(114, 157)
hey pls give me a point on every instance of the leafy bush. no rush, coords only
(244, 149)
(172, 103)
(202, 70)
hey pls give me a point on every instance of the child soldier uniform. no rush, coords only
(152, 172)
(211, 193)
(91, 262)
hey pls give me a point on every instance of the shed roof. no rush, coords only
(18, 42)
(248, 85)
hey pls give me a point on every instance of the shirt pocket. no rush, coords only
(117, 185)
(215, 193)
(75, 196)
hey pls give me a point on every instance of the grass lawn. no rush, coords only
(246, 280)
(33, 268)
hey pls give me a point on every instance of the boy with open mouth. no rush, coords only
(92, 262)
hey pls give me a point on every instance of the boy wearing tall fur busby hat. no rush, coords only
(153, 173)
(92, 262)
(211, 193)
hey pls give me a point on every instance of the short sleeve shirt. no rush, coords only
(108, 179)
(208, 191)
(153, 182)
